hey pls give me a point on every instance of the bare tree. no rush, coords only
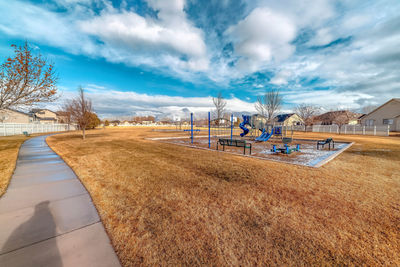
(368, 109)
(259, 105)
(343, 117)
(65, 113)
(220, 104)
(26, 79)
(269, 104)
(81, 110)
(306, 113)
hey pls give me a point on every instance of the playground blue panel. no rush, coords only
(242, 125)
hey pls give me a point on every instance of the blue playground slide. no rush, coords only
(265, 135)
(246, 120)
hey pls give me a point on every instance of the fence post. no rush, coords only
(354, 129)
(363, 131)
(388, 130)
(375, 130)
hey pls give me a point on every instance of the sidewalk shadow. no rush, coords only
(24, 231)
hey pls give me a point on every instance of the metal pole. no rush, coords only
(191, 127)
(209, 130)
(231, 126)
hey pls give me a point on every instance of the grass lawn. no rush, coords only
(9, 147)
(164, 204)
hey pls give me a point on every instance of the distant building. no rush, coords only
(62, 117)
(115, 123)
(125, 123)
(387, 114)
(176, 118)
(44, 116)
(330, 117)
(288, 119)
(15, 116)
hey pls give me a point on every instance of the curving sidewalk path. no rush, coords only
(47, 217)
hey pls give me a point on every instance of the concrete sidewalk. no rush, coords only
(47, 217)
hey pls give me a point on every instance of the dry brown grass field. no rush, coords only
(9, 147)
(164, 204)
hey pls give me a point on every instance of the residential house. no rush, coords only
(115, 122)
(15, 116)
(125, 123)
(386, 115)
(259, 121)
(289, 119)
(63, 117)
(44, 116)
(334, 117)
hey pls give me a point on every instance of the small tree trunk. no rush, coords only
(83, 133)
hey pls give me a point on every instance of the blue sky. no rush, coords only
(166, 57)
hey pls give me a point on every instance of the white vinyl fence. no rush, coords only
(19, 128)
(345, 129)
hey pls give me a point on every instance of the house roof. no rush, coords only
(327, 115)
(362, 116)
(283, 117)
(393, 99)
(40, 109)
(14, 110)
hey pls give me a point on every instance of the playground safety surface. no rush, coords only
(307, 156)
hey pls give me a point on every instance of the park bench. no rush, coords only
(235, 143)
(328, 141)
(26, 133)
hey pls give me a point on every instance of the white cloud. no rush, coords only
(263, 37)
(169, 41)
(323, 37)
(281, 78)
(160, 42)
(35, 23)
(109, 103)
(329, 99)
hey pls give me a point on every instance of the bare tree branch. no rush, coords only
(220, 104)
(26, 79)
(80, 109)
(306, 113)
(368, 109)
(269, 105)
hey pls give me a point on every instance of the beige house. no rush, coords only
(288, 119)
(387, 114)
(45, 116)
(14, 116)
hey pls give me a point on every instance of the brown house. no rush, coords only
(337, 117)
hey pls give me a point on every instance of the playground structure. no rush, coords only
(252, 128)
(264, 141)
